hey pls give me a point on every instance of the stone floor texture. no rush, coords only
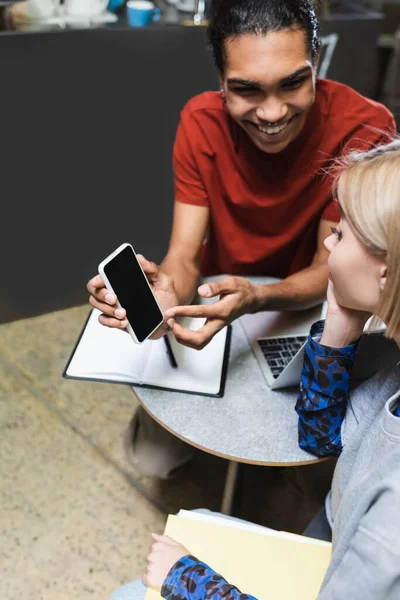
(75, 517)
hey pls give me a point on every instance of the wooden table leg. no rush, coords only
(230, 488)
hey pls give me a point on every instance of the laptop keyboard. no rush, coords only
(278, 352)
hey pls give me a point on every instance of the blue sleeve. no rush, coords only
(324, 390)
(189, 578)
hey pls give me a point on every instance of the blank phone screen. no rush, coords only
(134, 294)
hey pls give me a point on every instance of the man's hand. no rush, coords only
(237, 297)
(115, 316)
(164, 553)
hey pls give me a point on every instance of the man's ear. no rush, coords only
(221, 82)
(316, 61)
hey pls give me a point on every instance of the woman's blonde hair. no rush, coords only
(368, 189)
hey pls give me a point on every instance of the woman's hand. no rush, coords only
(164, 553)
(343, 326)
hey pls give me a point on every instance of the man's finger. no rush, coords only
(216, 288)
(113, 323)
(102, 294)
(109, 310)
(150, 268)
(95, 283)
(207, 311)
(200, 338)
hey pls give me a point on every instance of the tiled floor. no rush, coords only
(75, 517)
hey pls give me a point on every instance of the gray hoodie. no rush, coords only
(365, 499)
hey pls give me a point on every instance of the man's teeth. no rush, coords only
(272, 130)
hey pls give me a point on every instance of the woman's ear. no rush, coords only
(383, 277)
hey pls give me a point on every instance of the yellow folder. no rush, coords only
(265, 566)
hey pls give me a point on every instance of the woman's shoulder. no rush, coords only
(368, 402)
(380, 521)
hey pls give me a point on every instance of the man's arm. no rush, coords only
(238, 296)
(304, 289)
(175, 282)
(182, 261)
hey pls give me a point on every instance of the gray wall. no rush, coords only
(88, 124)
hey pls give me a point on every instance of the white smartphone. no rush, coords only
(123, 275)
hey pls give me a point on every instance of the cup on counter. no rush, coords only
(115, 5)
(85, 8)
(141, 13)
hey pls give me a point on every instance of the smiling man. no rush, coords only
(251, 192)
(271, 125)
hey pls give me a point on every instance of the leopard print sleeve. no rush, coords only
(190, 579)
(324, 389)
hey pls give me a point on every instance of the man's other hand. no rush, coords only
(237, 297)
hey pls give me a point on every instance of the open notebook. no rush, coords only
(265, 563)
(110, 355)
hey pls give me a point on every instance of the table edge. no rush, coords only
(229, 457)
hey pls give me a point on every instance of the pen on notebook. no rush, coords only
(169, 352)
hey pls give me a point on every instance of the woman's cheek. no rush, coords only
(340, 278)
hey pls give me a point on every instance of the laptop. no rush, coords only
(278, 340)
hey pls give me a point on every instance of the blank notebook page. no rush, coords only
(111, 354)
(108, 352)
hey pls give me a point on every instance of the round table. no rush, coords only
(250, 424)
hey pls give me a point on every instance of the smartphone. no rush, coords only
(123, 275)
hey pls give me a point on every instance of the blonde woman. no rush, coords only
(364, 429)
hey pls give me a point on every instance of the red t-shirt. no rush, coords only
(265, 208)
